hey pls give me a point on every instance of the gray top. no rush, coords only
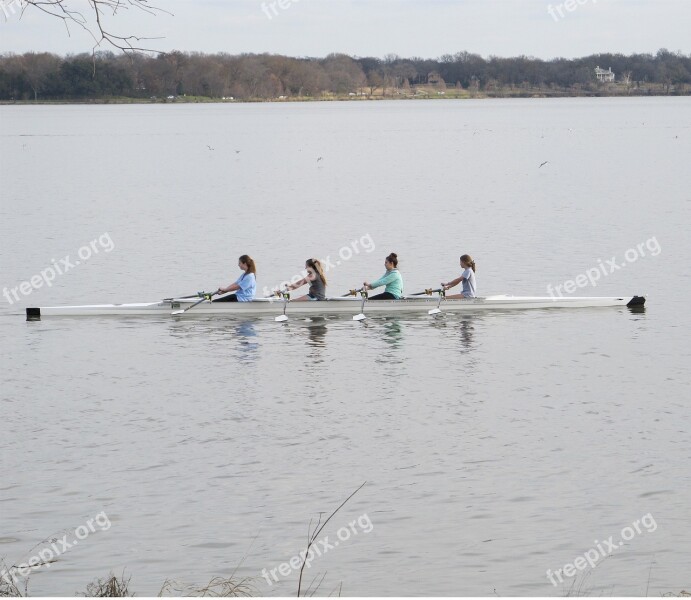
(468, 283)
(317, 288)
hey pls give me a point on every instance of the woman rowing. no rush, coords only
(391, 279)
(315, 278)
(245, 286)
(467, 277)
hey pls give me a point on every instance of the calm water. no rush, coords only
(494, 447)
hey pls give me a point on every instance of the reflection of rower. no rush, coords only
(391, 279)
(316, 336)
(466, 330)
(393, 332)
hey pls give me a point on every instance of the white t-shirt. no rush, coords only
(468, 283)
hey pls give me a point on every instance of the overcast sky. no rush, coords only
(425, 28)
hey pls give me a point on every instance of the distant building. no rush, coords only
(604, 76)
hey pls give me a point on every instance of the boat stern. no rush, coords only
(636, 301)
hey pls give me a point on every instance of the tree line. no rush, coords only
(104, 75)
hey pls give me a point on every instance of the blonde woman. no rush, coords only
(315, 278)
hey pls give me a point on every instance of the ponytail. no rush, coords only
(315, 264)
(246, 260)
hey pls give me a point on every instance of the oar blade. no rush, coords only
(281, 319)
(434, 311)
(360, 317)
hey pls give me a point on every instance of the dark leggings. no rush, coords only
(231, 298)
(384, 296)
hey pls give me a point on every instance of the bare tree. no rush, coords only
(96, 20)
(626, 78)
(37, 68)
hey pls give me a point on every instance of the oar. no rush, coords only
(442, 295)
(427, 292)
(183, 297)
(286, 298)
(361, 316)
(205, 298)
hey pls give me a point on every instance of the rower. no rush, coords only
(467, 277)
(391, 279)
(315, 278)
(245, 286)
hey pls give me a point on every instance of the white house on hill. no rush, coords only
(605, 76)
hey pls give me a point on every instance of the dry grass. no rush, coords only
(111, 587)
(218, 587)
(8, 588)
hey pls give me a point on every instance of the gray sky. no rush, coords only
(426, 28)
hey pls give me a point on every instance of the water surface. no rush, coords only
(494, 446)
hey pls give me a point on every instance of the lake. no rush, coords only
(495, 447)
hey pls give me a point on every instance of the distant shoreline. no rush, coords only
(106, 78)
(448, 95)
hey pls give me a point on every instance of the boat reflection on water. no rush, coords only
(245, 335)
(215, 331)
(465, 327)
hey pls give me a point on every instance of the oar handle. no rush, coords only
(278, 294)
(355, 292)
(204, 297)
(430, 291)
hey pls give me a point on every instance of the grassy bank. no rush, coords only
(416, 93)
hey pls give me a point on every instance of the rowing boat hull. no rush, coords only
(335, 306)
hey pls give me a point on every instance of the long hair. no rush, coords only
(246, 260)
(313, 263)
(466, 258)
(393, 259)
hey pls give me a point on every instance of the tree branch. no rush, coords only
(317, 530)
(99, 14)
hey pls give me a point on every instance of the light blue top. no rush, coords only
(468, 276)
(248, 287)
(392, 280)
